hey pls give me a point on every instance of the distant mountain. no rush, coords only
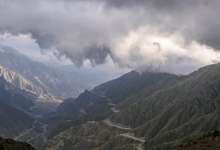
(20, 113)
(13, 103)
(99, 75)
(87, 106)
(151, 111)
(20, 82)
(95, 105)
(44, 79)
(14, 96)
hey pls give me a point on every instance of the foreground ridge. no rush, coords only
(9, 144)
(210, 141)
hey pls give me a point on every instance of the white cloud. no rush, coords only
(136, 34)
(142, 49)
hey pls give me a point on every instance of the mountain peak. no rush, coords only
(8, 49)
(1, 48)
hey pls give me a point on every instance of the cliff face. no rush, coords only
(8, 144)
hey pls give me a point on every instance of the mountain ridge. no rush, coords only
(19, 81)
(49, 80)
(155, 116)
(135, 111)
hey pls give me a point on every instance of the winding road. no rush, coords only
(132, 137)
(44, 127)
(116, 125)
(22, 134)
(45, 130)
(82, 111)
(114, 109)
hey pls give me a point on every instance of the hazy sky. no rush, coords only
(175, 36)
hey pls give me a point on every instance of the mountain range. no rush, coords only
(29, 89)
(45, 80)
(13, 102)
(136, 111)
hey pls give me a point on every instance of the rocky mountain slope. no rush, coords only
(17, 84)
(44, 79)
(136, 111)
(13, 120)
(101, 101)
(20, 115)
(9, 144)
(14, 96)
(149, 111)
(210, 141)
(29, 90)
(18, 81)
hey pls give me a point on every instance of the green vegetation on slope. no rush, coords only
(9, 144)
(209, 141)
(157, 111)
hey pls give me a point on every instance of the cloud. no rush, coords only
(139, 34)
(95, 54)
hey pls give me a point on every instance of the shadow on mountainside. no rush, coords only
(8, 144)
(210, 141)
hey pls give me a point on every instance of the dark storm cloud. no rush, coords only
(142, 3)
(198, 19)
(210, 36)
(158, 5)
(122, 29)
(96, 55)
(44, 41)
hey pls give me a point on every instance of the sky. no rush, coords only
(174, 36)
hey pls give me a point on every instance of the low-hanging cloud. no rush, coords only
(140, 34)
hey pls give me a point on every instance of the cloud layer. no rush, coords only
(160, 35)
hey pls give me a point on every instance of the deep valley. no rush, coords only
(137, 111)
